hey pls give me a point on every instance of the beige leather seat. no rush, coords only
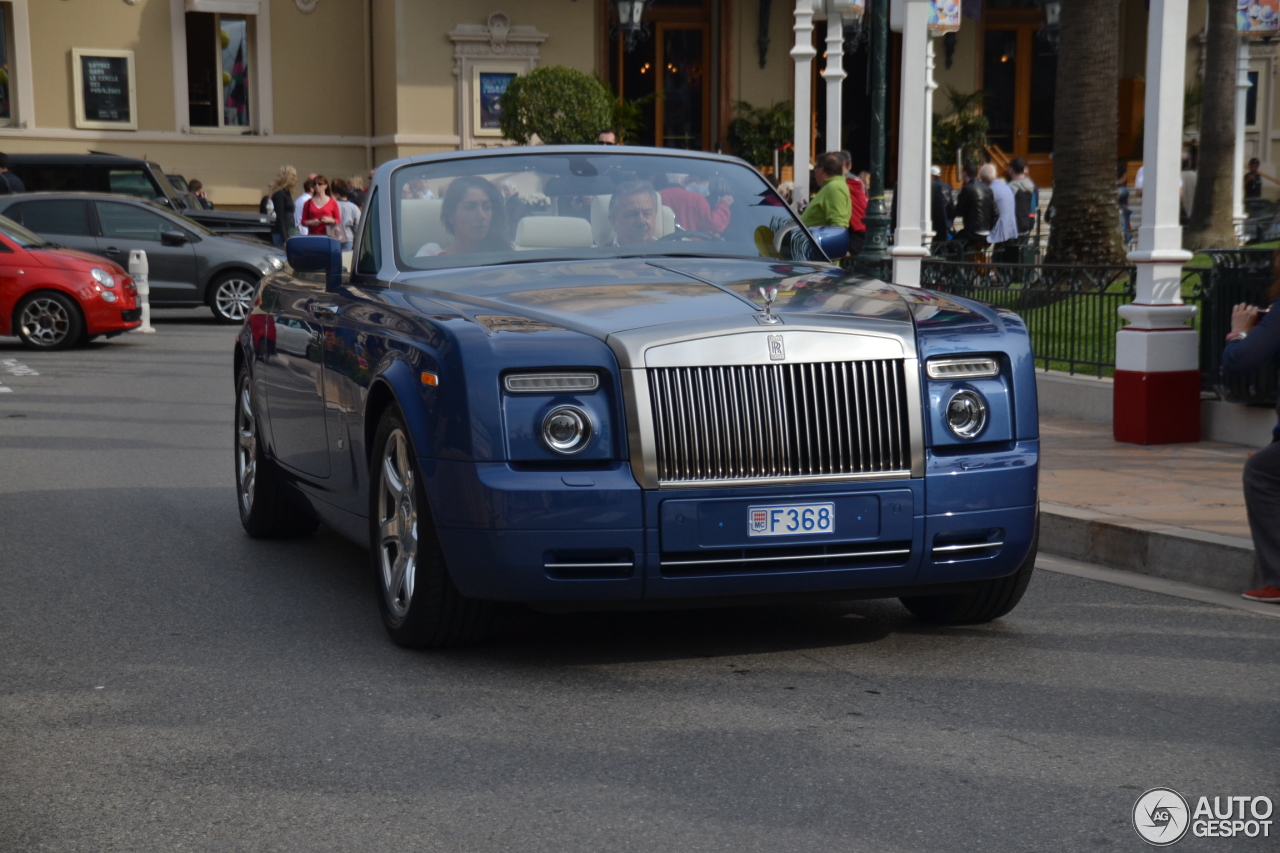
(420, 224)
(553, 232)
(602, 231)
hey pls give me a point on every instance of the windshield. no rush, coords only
(20, 235)
(532, 206)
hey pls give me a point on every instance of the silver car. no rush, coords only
(189, 264)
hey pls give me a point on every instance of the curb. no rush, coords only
(1212, 560)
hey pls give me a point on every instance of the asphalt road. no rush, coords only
(167, 683)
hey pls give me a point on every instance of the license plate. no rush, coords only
(791, 519)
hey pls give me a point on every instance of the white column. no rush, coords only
(913, 160)
(802, 55)
(1242, 98)
(1160, 255)
(834, 75)
(926, 219)
(1156, 351)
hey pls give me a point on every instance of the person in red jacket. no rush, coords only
(693, 211)
(858, 197)
(320, 212)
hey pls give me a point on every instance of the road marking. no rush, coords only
(16, 368)
(1147, 583)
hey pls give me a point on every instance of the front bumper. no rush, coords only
(544, 536)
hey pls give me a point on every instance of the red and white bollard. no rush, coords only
(138, 269)
(1157, 382)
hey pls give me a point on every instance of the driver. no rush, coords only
(633, 213)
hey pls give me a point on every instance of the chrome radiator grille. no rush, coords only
(780, 420)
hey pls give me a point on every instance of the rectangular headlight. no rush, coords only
(551, 383)
(962, 368)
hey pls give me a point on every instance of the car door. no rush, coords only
(64, 221)
(291, 372)
(172, 272)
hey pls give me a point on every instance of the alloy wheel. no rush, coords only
(45, 322)
(234, 297)
(397, 524)
(246, 448)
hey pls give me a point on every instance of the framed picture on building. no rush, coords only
(488, 84)
(105, 94)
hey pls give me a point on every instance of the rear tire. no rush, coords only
(48, 320)
(231, 296)
(421, 608)
(984, 601)
(269, 508)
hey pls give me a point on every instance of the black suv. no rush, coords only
(109, 173)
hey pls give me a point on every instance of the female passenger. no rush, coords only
(474, 213)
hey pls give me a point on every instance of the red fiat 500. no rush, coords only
(55, 298)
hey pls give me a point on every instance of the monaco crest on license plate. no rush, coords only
(791, 519)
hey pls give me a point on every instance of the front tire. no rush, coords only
(269, 509)
(420, 606)
(231, 296)
(48, 321)
(984, 601)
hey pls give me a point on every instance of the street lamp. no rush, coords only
(631, 20)
(1052, 21)
(875, 249)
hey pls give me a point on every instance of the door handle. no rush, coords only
(112, 250)
(324, 309)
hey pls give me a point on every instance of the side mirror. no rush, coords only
(831, 239)
(173, 238)
(161, 199)
(316, 254)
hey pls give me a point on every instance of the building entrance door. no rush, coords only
(674, 62)
(1020, 75)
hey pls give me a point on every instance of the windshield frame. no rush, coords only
(391, 235)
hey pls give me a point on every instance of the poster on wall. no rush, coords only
(104, 89)
(944, 16)
(1258, 18)
(488, 85)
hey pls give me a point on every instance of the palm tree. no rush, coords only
(1084, 136)
(1211, 223)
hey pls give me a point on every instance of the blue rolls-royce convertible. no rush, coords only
(619, 378)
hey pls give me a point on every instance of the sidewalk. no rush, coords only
(1174, 511)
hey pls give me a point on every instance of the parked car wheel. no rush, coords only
(48, 320)
(231, 296)
(984, 602)
(269, 508)
(421, 607)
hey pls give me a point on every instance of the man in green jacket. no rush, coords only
(832, 205)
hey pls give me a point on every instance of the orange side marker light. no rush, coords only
(430, 379)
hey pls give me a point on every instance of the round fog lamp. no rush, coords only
(566, 429)
(966, 414)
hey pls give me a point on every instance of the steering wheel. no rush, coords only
(688, 236)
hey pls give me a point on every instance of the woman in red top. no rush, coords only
(320, 211)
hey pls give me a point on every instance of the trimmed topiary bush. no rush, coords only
(562, 106)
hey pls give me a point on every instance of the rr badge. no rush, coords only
(776, 351)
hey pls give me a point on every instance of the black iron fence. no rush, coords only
(1071, 311)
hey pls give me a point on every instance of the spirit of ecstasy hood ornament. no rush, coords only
(769, 294)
